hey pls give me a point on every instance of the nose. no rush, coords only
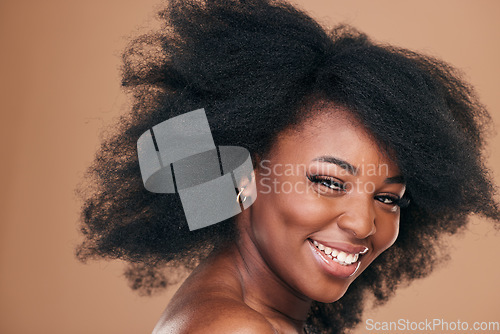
(358, 217)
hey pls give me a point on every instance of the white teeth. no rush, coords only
(340, 257)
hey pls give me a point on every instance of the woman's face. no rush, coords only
(326, 205)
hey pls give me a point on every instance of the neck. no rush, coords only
(264, 291)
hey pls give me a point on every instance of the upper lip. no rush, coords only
(343, 246)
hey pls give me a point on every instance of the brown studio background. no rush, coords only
(59, 85)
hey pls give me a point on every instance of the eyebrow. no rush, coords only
(353, 170)
(339, 162)
(395, 179)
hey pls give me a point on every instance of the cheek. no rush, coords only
(288, 203)
(386, 234)
(282, 219)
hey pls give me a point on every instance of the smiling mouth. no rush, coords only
(339, 256)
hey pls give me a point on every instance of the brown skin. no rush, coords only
(265, 281)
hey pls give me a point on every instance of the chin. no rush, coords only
(330, 293)
(330, 298)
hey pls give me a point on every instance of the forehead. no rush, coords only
(330, 131)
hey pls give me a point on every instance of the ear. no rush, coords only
(247, 187)
(247, 184)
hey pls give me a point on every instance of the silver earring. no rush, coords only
(238, 198)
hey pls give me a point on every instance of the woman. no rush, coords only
(363, 156)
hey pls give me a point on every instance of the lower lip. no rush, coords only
(333, 268)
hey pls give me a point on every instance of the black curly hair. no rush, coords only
(253, 65)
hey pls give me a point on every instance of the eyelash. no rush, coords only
(401, 202)
(324, 180)
(340, 187)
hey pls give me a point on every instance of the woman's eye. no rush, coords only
(393, 200)
(327, 182)
(387, 199)
(333, 185)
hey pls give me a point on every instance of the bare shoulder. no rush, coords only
(215, 315)
(230, 316)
